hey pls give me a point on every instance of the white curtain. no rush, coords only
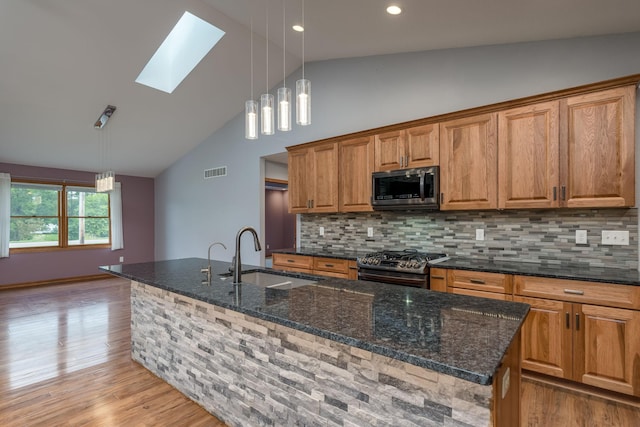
(115, 205)
(5, 213)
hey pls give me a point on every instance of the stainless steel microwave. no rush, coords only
(406, 189)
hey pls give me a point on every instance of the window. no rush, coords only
(58, 216)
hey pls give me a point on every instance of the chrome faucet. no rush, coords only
(207, 270)
(237, 265)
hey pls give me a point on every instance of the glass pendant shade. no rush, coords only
(284, 109)
(303, 102)
(105, 182)
(251, 119)
(266, 105)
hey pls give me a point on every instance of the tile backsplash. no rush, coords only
(538, 236)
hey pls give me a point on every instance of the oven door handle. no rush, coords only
(408, 281)
(422, 195)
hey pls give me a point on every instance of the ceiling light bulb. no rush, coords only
(298, 28)
(394, 10)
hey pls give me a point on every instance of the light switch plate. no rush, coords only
(121, 259)
(581, 237)
(322, 231)
(479, 233)
(369, 231)
(615, 237)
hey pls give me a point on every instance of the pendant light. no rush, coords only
(303, 89)
(105, 181)
(284, 93)
(266, 99)
(251, 106)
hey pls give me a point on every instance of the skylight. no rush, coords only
(185, 46)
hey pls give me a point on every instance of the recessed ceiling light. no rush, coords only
(298, 28)
(394, 10)
(185, 46)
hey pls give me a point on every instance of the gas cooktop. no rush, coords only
(400, 260)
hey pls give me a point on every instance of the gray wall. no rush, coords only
(355, 94)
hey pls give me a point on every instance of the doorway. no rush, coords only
(279, 224)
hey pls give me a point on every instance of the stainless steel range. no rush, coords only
(408, 267)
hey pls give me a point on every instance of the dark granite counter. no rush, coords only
(462, 336)
(572, 272)
(349, 254)
(556, 271)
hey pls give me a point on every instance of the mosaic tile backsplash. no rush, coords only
(537, 236)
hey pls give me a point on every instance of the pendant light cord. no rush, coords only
(251, 59)
(267, 14)
(284, 46)
(304, 29)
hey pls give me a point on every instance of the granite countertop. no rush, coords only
(556, 271)
(349, 254)
(561, 271)
(461, 336)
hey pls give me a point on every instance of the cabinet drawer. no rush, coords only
(438, 279)
(290, 262)
(331, 265)
(623, 296)
(480, 281)
(482, 294)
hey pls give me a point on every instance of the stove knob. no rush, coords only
(377, 261)
(402, 264)
(415, 264)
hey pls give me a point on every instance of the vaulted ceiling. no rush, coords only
(63, 61)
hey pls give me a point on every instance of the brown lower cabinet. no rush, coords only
(570, 334)
(332, 267)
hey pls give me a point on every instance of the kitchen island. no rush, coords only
(335, 352)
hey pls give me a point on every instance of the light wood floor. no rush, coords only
(65, 361)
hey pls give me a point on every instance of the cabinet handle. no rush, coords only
(401, 160)
(311, 202)
(437, 277)
(477, 281)
(555, 193)
(573, 292)
(441, 198)
(577, 321)
(567, 319)
(291, 260)
(564, 192)
(329, 265)
(406, 161)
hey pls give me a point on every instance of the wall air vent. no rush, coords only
(215, 172)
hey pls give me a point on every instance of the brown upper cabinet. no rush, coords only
(407, 148)
(598, 149)
(313, 178)
(469, 165)
(573, 152)
(356, 160)
(528, 153)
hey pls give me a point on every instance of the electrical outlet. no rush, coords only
(121, 259)
(615, 237)
(581, 237)
(369, 231)
(322, 231)
(479, 233)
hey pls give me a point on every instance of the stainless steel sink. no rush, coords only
(273, 280)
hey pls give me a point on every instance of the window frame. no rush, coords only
(63, 219)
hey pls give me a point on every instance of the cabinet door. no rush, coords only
(611, 355)
(300, 180)
(422, 146)
(324, 197)
(528, 150)
(468, 163)
(356, 167)
(547, 337)
(389, 151)
(599, 153)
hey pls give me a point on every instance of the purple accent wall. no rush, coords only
(280, 225)
(138, 226)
